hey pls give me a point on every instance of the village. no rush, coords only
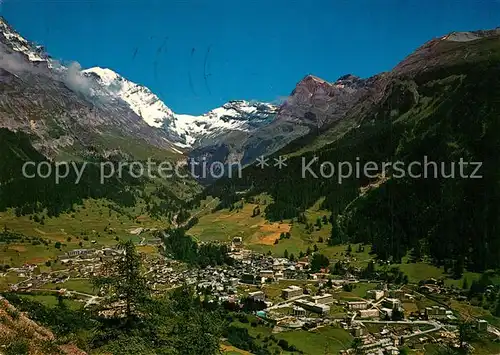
(285, 296)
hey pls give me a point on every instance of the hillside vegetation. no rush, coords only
(446, 111)
(53, 216)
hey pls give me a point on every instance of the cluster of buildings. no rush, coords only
(303, 308)
(259, 269)
(439, 312)
(78, 263)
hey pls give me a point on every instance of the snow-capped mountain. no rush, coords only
(96, 103)
(34, 52)
(185, 130)
(140, 99)
(64, 111)
(235, 115)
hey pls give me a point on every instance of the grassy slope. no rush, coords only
(87, 222)
(258, 234)
(77, 223)
(16, 328)
(52, 301)
(314, 342)
(223, 225)
(79, 285)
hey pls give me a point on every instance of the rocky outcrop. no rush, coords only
(316, 102)
(16, 326)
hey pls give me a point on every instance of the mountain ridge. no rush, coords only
(243, 129)
(441, 104)
(186, 131)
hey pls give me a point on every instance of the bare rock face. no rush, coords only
(313, 105)
(316, 102)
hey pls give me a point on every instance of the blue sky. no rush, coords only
(196, 55)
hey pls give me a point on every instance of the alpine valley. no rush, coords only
(135, 264)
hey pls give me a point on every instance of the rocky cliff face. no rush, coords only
(316, 102)
(312, 107)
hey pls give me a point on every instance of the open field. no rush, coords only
(9, 278)
(358, 291)
(224, 225)
(260, 235)
(469, 311)
(95, 224)
(325, 340)
(79, 285)
(52, 301)
(231, 350)
(420, 271)
(90, 218)
(329, 340)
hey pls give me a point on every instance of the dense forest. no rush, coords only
(34, 194)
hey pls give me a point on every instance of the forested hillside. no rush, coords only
(441, 103)
(44, 195)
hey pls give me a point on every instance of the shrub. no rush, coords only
(17, 347)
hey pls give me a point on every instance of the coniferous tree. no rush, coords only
(336, 234)
(122, 281)
(496, 311)
(318, 223)
(356, 346)
(318, 262)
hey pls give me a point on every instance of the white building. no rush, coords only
(299, 311)
(291, 291)
(268, 274)
(313, 307)
(257, 296)
(357, 305)
(323, 299)
(375, 294)
(369, 313)
(391, 303)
